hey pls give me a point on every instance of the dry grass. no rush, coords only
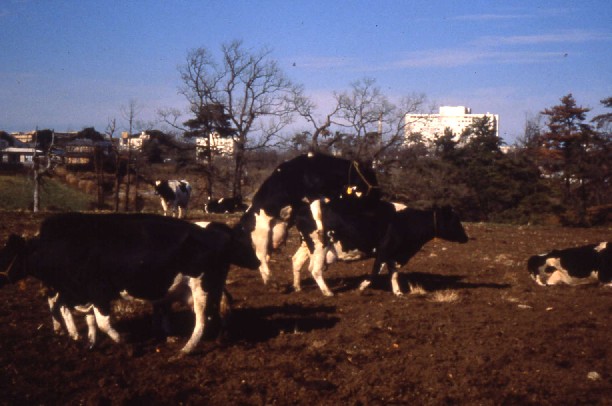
(444, 296)
(416, 289)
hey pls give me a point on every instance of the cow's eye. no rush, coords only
(550, 269)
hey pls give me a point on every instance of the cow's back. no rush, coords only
(114, 252)
(312, 177)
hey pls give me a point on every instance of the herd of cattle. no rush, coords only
(88, 260)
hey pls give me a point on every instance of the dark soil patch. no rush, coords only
(497, 339)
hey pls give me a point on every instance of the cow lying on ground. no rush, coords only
(356, 230)
(174, 196)
(225, 205)
(90, 260)
(573, 265)
(302, 180)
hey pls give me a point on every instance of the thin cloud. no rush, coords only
(572, 36)
(519, 16)
(491, 17)
(448, 58)
(320, 62)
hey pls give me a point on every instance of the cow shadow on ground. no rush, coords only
(261, 324)
(251, 325)
(428, 281)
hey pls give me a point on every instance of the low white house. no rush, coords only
(18, 155)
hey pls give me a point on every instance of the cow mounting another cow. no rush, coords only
(302, 180)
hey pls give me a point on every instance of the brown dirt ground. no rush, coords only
(502, 340)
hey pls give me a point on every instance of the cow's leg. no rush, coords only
(92, 329)
(393, 272)
(376, 268)
(103, 322)
(55, 314)
(317, 261)
(164, 206)
(298, 260)
(69, 322)
(261, 238)
(315, 209)
(559, 276)
(199, 305)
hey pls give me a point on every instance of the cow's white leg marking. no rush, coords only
(394, 283)
(260, 237)
(57, 325)
(559, 276)
(164, 206)
(181, 212)
(92, 329)
(315, 209)
(364, 284)
(105, 325)
(317, 261)
(298, 260)
(199, 305)
(69, 321)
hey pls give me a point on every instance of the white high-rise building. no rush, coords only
(457, 118)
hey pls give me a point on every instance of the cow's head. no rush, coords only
(546, 269)
(11, 260)
(242, 251)
(161, 187)
(362, 182)
(447, 225)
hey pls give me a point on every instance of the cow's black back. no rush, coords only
(312, 177)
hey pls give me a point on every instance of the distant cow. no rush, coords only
(225, 205)
(573, 265)
(304, 179)
(357, 230)
(174, 196)
(90, 260)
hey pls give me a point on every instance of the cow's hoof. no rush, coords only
(328, 293)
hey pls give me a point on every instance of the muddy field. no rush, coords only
(480, 332)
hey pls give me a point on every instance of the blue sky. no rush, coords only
(73, 64)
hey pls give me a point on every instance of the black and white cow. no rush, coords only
(302, 180)
(174, 196)
(225, 205)
(88, 260)
(573, 265)
(357, 229)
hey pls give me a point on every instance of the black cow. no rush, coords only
(302, 180)
(225, 205)
(90, 260)
(174, 196)
(359, 229)
(573, 265)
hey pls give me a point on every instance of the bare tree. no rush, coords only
(41, 164)
(251, 87)
(363, 118)
(129, 113)
(306, 108)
